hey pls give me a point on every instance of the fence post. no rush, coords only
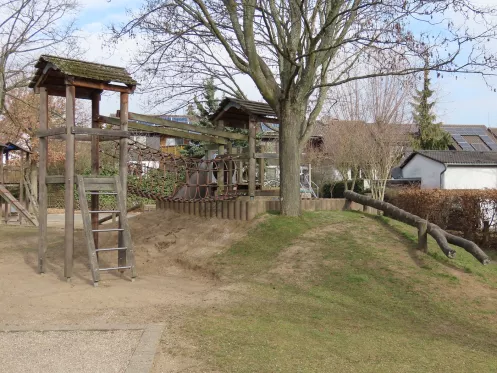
(423, 236)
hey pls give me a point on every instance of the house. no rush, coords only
(452, 169)
(471, 137)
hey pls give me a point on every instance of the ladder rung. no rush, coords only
(102, 193)
(112, 268)
(104, 212)
(111, 249)
(107, 230)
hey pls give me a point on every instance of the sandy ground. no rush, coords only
(170, 250)
(67, 351)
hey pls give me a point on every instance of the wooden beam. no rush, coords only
(266, 155)
(123, 174)
(99, 132)
(42, 173)
(69, 181)
(167, 131)
(51, 132)
(188, 127)
(102, 86)
(95, 161)
(220, 168)
(54, 179)
(252, 162)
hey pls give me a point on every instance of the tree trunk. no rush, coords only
(289, 162)
(442, 237)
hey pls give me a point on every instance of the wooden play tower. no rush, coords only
(56, 76)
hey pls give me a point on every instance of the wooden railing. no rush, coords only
(12, 174)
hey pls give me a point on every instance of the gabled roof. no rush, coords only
(82, 69)
(236, 112)
(249, 107)
(456, 157)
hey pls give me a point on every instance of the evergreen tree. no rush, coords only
(202, 109)
(431, 135)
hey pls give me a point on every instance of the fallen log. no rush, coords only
(442, 238)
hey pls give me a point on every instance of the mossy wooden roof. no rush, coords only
(236, 112)
(64, 67)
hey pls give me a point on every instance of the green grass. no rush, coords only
(355, 297)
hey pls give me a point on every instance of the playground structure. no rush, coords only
(226, 180)
(15, 177)
(73, 79)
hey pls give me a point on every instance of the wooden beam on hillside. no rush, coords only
(187, 127)
(442, 237)
(166, 131)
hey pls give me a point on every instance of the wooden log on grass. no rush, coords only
(442, 237)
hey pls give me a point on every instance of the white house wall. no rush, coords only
(427, 169)
(458, 177)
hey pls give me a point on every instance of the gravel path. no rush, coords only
(67, 351)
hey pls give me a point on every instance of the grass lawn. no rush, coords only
(345, 292)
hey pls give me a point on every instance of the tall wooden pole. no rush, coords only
(95, 161)
(42, 174)
(123, 171)
(220, 165)
(229, 182)
(69, 180)
(1, 164)
(262, 171)
(252, 160)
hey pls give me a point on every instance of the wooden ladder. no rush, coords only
(110, 186)
(9, 198)
(29, 192)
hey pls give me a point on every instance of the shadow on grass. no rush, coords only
(411, 241)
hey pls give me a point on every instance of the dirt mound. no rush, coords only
(163, 239)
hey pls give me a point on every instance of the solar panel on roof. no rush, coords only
(457, 134)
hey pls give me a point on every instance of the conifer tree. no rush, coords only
(431, 135)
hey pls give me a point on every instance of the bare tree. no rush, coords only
(28, 27)
(294, 51)
(343, 148)
(384, 102)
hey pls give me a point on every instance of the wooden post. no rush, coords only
(43, 194)
(251, 146)
(21, 187)
(229, 182)
(1, 165)
(220, 166)
(69, 180)
(262, 170)
(423, 236)
(123, 172)
(95, 163)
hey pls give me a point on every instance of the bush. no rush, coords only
(336, 190)
(459, 210)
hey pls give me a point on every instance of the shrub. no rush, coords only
(460, 210)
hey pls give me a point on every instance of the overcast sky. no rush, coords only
(464, 99)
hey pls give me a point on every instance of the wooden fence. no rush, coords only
(244, 209)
